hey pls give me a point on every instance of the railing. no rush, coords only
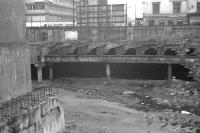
(17, 106)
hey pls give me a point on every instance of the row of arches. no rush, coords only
(135, 51)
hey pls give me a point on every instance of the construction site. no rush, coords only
(101, 74)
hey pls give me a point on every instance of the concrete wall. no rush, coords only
(15, 78)
(15, 73)
(46, 117)
(169, 33)
(12, 22)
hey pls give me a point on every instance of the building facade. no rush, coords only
(97, 2)
(99, 22)
(51, 12)
(165, 12)
(194, 11)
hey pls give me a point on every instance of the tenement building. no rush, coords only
(165, 12)
(51, 12)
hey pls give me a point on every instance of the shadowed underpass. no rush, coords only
(122, 71)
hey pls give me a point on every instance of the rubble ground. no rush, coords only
(127, 106)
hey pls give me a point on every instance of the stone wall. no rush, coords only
(46, 117)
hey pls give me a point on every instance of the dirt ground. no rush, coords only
(96, 106)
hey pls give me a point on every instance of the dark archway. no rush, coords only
(191, 52)
(150, 51)
(170, 52)
(131, 51)
(111, 52)
(92, 52)
(75, 51)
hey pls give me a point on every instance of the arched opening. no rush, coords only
(170, 52)
(191, 52)
(92, 52)
(111, 52)
(150, 51)
(75, 51)
(131, 51)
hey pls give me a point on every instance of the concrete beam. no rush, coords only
(51, 72)
(122, 59)
(39, 68)
(108, 72)
(169, 75)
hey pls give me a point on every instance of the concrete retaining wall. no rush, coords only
(46, 117)
(15, 72)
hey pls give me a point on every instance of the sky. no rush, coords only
(131, 7)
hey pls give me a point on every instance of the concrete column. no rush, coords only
(39, 73)
(169, 74)
(108, 71)
(51, 72)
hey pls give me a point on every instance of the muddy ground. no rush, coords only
(126, 106)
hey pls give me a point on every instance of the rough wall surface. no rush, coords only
(47, 117)
(15, 76)
(14, 52)
(12, 20)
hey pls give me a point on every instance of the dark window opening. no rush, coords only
(156, 7)
(44, 36)
(176, 7)
(170, 22)
(180, 22)
(151, 22)
(161, 22)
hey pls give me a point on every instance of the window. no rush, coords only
(156, 7)
(198, 7)
(180, 22)
(170, 22)
(151, 22)
(176, 7)
(161, 22)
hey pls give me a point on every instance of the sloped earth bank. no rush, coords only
(125, 106)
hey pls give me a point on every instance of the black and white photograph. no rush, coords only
(99, 66)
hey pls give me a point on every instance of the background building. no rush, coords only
(97, 2)
(165, 12)
(194, 11)
(51, 12)
(100, 22)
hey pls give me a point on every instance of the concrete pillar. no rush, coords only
(108, 71)
(169, 74)
(51, 72)
(39, 73)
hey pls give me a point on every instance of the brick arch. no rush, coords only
(130, 51)
(191, 51)
(141, 50)
(150, 51)
(170, 51)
